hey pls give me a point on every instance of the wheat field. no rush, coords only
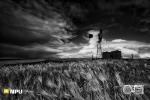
(82, 80)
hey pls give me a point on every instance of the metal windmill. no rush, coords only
(99, 48)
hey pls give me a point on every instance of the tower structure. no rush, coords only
(99, 48)
(98, 37)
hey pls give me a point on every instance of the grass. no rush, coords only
(82, 80)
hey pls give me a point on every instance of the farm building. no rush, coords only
(116, 54)
(106, 55)
(112, 55)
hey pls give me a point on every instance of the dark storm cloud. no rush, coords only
(44, 28)
(23, 28)
(125, 16)
(26, 25)
(146, 20)
(24, 52)
(144, 30)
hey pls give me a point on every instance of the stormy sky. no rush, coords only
(60, 28)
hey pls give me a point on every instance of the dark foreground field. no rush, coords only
(82, 80)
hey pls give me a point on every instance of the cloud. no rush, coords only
(27, 52)
(118, 40)
(42, 47)
(147, 30)
(29, 33)
(117, 44)
(146, 20)
(138, 49)
(38, 28)
(84, 50)
(69, 55)
(145, 55)
(127, 51)
(144, 3)
(127, 47)
(31, 29)
(68, 46)
(144, 30)
(113, 25)
(92, 43)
